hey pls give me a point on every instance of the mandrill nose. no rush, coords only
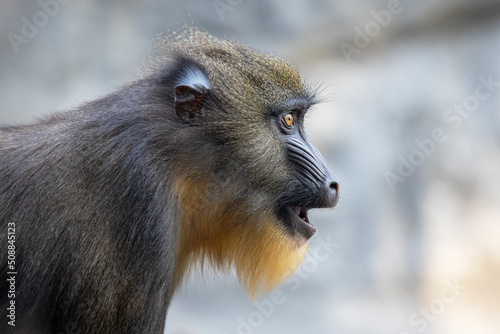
(332, 192)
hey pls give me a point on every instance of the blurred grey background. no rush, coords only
(410, 123)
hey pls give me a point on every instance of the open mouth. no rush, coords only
(298, 219)
(293, 210)
(301, 213)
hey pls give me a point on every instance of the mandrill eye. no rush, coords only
(289, 121)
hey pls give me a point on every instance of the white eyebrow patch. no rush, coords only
(194, 76)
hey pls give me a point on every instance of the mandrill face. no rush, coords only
(247, 109)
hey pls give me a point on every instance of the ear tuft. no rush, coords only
(190, 94)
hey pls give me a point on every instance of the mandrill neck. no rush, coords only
(221, 233)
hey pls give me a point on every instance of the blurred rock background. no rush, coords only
(409, 251)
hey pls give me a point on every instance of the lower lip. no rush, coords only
(311, 228)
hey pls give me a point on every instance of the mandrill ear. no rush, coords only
(190, 94)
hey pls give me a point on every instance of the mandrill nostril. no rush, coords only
(334, 186)
(332, 193)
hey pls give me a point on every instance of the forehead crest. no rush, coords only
(226, 60)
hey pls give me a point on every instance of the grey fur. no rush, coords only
(89, 193)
